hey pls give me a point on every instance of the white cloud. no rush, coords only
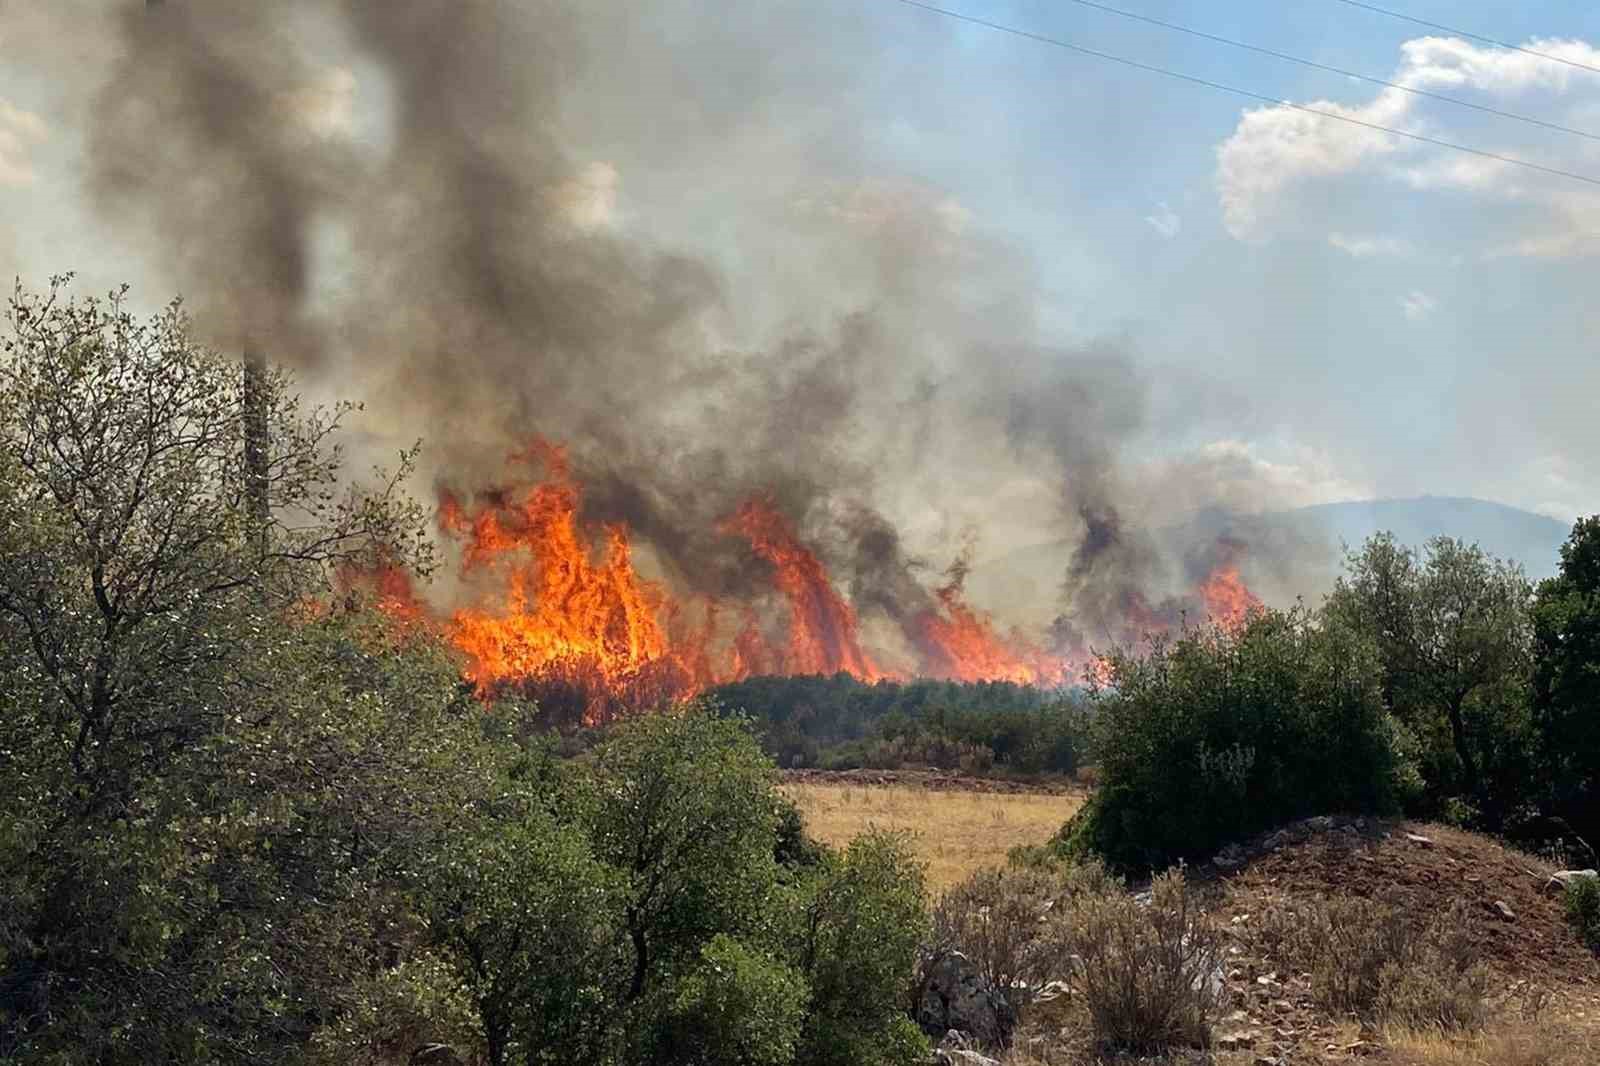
(19, 130)
(1279, 156)
(1418, 305)
(1165, 221)
(1367, 247)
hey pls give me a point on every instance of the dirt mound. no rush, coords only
(1520, 930)
(932, 780)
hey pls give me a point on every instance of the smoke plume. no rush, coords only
(881, 382)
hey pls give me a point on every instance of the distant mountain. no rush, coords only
(1534, 540)
(1289, 553)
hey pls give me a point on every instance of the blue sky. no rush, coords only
(1324, 313)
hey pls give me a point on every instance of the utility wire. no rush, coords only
(1149, 20)
(1219, 86)
(1473, 36)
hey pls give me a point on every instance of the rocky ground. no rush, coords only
(1544, 984)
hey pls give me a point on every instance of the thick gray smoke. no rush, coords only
(887, 370)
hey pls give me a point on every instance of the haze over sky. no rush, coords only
(1337, 313)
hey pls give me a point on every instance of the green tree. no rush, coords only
(1217, 734)
(1566, 680)
(737, 1007)
(160, 710)
(858, 933)
(531, 920)
(682, 806)
(1453, 630)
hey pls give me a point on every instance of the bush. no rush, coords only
(1370, 959)
(1150, 975)
(737, 1008)
(996, 919)
(857, 946)
(1218, 734)
(1583, 909)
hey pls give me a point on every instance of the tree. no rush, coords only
(681, 806)
(1453, 631)
(859, 929)
(159, 707)
(1566, 680)
(1217, 734)
(531, 920)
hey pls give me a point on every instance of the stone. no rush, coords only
(1230, 858)
(1238, 1040)
(962, 1057)
(956, 996)
(1562, 880)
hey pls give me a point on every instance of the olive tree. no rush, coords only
(156, 699)
(1453, 630)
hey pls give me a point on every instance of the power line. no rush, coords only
(1248, 94)
(1135, 16)
(1472, 36)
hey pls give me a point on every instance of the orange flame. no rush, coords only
(563, 604)
(957, 642)
(1228, 600)
(561, 609)
(822, 626)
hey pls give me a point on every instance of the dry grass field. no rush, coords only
(956, 832)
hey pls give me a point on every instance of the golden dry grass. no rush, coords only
(956, 832)
(1508, 1044)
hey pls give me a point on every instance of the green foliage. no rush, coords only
(1218, 734)
(841, 723)
(1583, 910)
(201, 850)
(1566, 681)
(1453, 632)
(682, 805)
(736, 1008)
(856, 945)
(528, 917)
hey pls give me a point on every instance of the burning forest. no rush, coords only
(733, 471)
(551, 604)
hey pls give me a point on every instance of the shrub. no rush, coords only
(857, 947)
(1369, 959)
(1219, 734)
(1583, 909)
(736, 1008)
(996, 918)
(1149, 974)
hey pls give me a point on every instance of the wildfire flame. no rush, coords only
(567, 612)
(958, 642)
(558, 608)
(1228, 601)
(823, 636)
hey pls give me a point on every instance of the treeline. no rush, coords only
(839, 723)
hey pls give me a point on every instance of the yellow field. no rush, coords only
(956, 832)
